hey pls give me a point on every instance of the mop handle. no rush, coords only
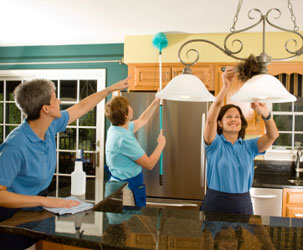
(161, 156)
(161, 123)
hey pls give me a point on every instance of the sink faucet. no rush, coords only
(298, 156)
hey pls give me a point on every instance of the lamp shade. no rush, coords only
(186, 87)
(263, 88)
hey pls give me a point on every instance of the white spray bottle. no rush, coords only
(78, 176)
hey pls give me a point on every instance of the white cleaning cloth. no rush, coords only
(72, 210)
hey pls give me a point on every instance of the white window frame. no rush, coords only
(75, 74)
(285, 154)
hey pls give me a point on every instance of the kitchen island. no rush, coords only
(109, 225)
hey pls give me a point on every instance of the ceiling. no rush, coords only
(56, 22)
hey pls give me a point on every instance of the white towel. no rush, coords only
(72, 210)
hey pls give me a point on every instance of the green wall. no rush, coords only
(67, 53)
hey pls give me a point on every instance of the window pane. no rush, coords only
(283, 142)
(89, 165)
(88, 119)
(1, 91)
(52, 187)
(67, 139)
(1, 134)
(1, 112)
(64, 107)
(10, 86)
(284, 122)
(13, 114)
(282, 106)
(66, 162)
(64, 186)
(8, 129)
(90, 189)
(298, 123)
(87, 139)
(87, 87)
(299, 138)
(68, 90)
(299, 104)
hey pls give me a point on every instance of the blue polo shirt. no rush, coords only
(27, 163)
(122, 150)
(230, 167)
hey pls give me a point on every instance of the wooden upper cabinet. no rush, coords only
(277, 68)
(205, 72)
(145, 77)
(255, 122)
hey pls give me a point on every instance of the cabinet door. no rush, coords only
(145, 77)
(295, 212)
(292, 202)
(255, 122)
(277, 68)
(204, 72)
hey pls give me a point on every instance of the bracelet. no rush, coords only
(108, 92)
(266, 118)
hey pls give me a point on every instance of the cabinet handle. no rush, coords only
(264, 196)
(166, 76)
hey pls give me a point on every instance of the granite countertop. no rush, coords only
(111, 226)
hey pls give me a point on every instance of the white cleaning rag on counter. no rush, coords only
(72, 210)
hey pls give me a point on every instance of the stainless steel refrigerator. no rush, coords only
(183, 155)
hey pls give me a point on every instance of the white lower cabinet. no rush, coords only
(267, 201)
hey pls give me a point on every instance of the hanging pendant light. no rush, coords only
(263, 88)
(186, 87)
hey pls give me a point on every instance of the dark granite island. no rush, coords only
(116, 227)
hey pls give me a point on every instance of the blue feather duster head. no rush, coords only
(160, 41)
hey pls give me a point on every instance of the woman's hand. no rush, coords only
(119, 85)
(161, 138)
(228, 76)
(260, 108)
(57, 202)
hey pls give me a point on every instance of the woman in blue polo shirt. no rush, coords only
(124, 155)
(230, 158)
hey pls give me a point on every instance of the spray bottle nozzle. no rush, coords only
(79, 155)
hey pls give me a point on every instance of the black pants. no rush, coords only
(216, 201)
(13, 241)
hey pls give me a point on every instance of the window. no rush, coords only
(289, 120)
(86, 133)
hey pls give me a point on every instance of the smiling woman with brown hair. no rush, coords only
(230, 158)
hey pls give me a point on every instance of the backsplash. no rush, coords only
(274, 167)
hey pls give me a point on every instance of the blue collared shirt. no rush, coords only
(230, 167)
(27, 163)
(122, 150)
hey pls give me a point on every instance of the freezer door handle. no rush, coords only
(171, 204)
(264, 196)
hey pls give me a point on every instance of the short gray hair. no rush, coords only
(30, 96)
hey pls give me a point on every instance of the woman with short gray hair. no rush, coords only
(28, 155)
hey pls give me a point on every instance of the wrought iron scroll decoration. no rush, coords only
(263, 58)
